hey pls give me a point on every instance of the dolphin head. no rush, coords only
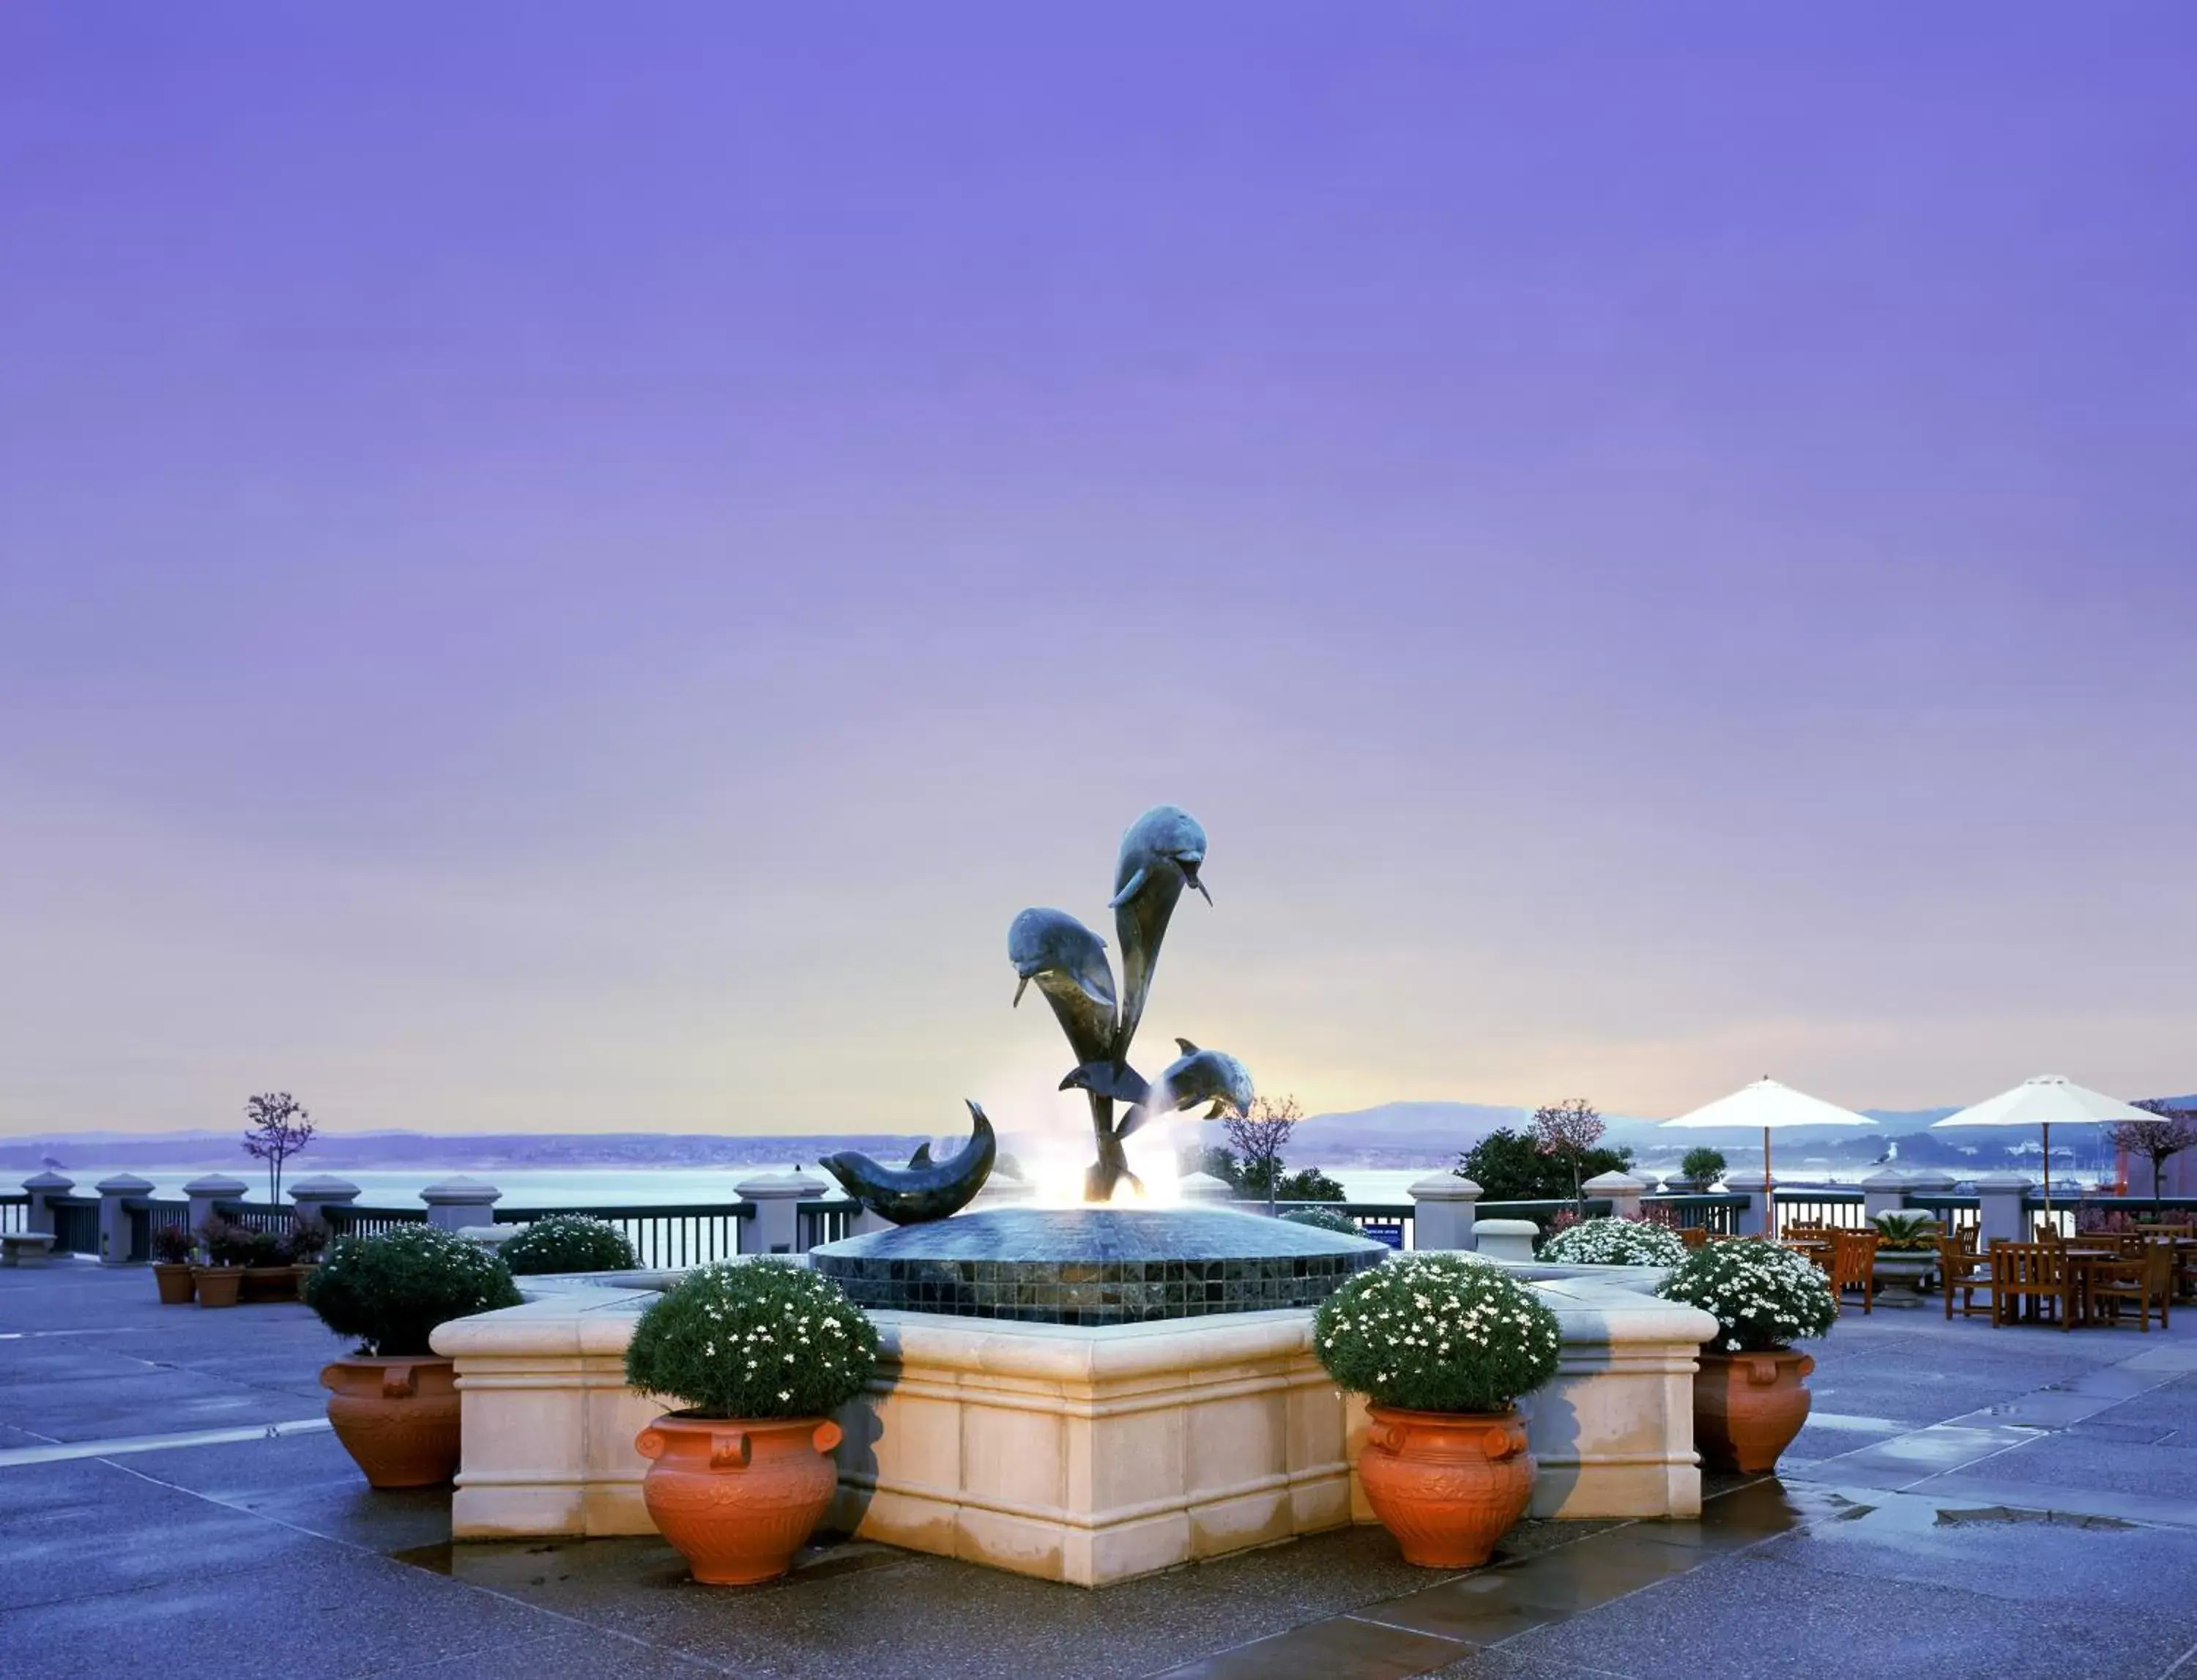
(1165, 835)
(1042, 941)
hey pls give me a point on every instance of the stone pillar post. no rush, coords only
(1883, 1191)
(38, 1216)
(456, 1203)
(313, 1196)
(206, 1193)
(115, 1217)
(1442, 1206)
(1930, 1181)
(776, 1227)
(1752, 1220)
(1999, 1210)
(1623, 1190)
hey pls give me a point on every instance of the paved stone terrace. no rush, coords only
(1965, 1501)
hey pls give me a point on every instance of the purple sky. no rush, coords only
(573, 567)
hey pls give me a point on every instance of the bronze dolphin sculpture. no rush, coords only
(923, 1189)
(1068, 963)
(1161, 852)
(1195, 1076)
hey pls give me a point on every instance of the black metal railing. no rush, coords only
(76, 1223)
(825, 1221)
(1717, 1213)
(1805, 1205)
(1954, 1211)
(1543, 1212)
(14, 1213)
(148, 1216)
(664, 1238)
(347, 1219)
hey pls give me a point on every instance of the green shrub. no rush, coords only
(1437, 1332)
(1615, 1242)
(1906, 1233)
(1703, 1165)
(391, 1291)
(230, 1243)
(172, 1244)
(753, 1339)
(1319, 1219)
(1762, 1296)
(568, 1243)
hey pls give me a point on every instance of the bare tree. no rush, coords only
(1258, 1138)
(277, 1126)
(1567, 1130)
(2161, 1139)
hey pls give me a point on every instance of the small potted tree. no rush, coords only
(302, 1246)
(1614, 1241)
(267, 1273)
(568, 1243)
(1750, 1390)
(758, 1353)
(172, 1264)
(394, 1403)
(220, 1281)
(1906, 1255)
(1441, 1345)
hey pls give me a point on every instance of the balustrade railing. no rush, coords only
(14, 1213)
(76, 1223)
(1715, 1211)
(1544, 1213)
(1954, 1211)
(827, 1220)
(1802, 1204)
(348, 1219)
(664, 1237)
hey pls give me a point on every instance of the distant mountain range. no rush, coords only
(1400, 1134)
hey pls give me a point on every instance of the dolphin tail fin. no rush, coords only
(1129, 891)
(1188, 1048)
(1021, 985)
(1220, 1107)
(921, 1157)
(1109, 1079)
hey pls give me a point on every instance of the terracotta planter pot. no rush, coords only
(738, 1497)
(217, 1285)
(397, 1418)
(269, 1282)
(173, 1279)
(1447, 1485)
(1747, 1407)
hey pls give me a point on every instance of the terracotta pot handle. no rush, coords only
(1807, 1363)
(828, 1435)
(1761, 1370)
(1386, 1436)
(728, 1450)
(1507, 1442)
(650, 1442)
(399, 1383)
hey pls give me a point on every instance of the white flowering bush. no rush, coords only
(568, 1243)
(1437, 1332)
(1615, 1243)
(1762, 1296)
(753, 1339)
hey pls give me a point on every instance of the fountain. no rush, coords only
(1104, 1263)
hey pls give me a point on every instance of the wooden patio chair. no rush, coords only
(2146, 1278)
(2035, 1272)
(1963, 1271)
(1853, 1266)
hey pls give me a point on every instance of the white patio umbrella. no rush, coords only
(1771, 1106)
(2044, 1101)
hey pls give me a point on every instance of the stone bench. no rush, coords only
(26, 1248)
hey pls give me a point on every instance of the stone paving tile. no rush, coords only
(1500, 1665)
(1323, 1650)
(1748, 1618)
(2072, 1461)
(574, 1652)
(327, 1612)
(147, 1402)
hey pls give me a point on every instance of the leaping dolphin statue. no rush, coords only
(1068, 963)
(923, 1189)
(1195, 1076)
(1161, 854)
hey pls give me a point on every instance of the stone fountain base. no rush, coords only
(1074, 1453)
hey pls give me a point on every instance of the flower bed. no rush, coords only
(1614, 1242)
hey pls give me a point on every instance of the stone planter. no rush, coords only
(1901, 1274)
(271, 1283)
(1447, 1485)
(738, 1497)
(217, 1285)
(1747, 1407)
(173, 1279)
(397, 1418)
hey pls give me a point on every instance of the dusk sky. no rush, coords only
(571, 568)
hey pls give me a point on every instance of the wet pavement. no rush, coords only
(1966, 1501)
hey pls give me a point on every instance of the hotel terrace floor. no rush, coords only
(1965, 1501)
